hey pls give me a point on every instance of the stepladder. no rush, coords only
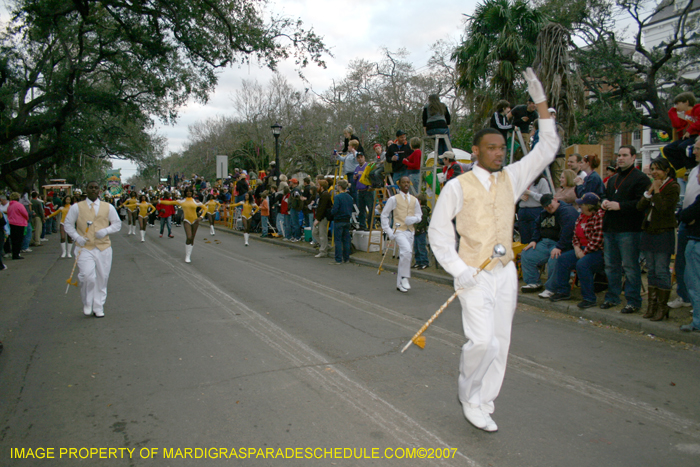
(430, 165)
(381, 195)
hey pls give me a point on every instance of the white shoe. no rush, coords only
(63, 250)
(211, 230)
(678, 302)
(99, 314)
(545, 294)
(400, 288)
(143, 235)
(44, 240)
(479, 418)
(320, 255)
(188, 253)
(529, 288)
(405, 284)
(245, 235)
(87, 310)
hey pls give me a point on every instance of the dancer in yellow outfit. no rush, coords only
(144, 209)
(63, 211)
(189, 207)
(249, 209)
(130, 206)
(212, 206)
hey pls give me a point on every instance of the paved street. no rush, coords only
(267, 347)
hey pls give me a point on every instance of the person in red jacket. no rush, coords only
(412, 163)
(685, 118)
(165, 213)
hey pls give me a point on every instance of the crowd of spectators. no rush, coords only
(603, 229)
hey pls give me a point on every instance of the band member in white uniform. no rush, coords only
(483, 203)
(95, 260)
(407, 212)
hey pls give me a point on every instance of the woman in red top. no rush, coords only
(587, 255)
(18, 217)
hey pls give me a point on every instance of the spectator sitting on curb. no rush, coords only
(551, 237)
(587, 255)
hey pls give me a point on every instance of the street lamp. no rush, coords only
(276, 130)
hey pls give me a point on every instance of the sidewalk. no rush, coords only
(666, 329)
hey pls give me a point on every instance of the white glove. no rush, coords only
(101, 234)
(410, 220)
(466, 280)
(81, 241)
(534, 87)
(390, 236)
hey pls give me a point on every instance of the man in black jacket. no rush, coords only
(396, 153)
(550, 238)
(622, 226)
(523, 117)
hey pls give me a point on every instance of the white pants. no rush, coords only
(487, 317)
(94, 266)
(404, 239)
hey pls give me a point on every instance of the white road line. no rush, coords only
(395, 422)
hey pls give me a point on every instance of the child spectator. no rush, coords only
(685, 118)
(419, 242)
(264, 212)
(412, 164)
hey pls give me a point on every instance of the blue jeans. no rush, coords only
(658, 273)
(420, 248)
(692, 278)
(283, 225)
(527, 218)
(163, 222)
(341, 232)
(682, 290)
(365, 200)
(533, 258)
(264, 222)
(442, 146)
(586, 268)
(622, 253)
(28, 235)
(295, 226)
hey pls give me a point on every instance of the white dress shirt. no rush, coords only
(521, 173)
(391, 205)
(115, 224)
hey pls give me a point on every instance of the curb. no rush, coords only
(634, 323)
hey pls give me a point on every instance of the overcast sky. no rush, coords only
(350, 29)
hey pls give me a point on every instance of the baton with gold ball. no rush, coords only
(498, 251)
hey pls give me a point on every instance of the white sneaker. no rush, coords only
(405, 284)
(320, 255)
(678, 303)
(28, 250)
(44, 239)
(87, 310)
(545, 294)
(530, 288)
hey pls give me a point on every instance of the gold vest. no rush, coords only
(403, 210)
(99, 222)
(486, 219)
